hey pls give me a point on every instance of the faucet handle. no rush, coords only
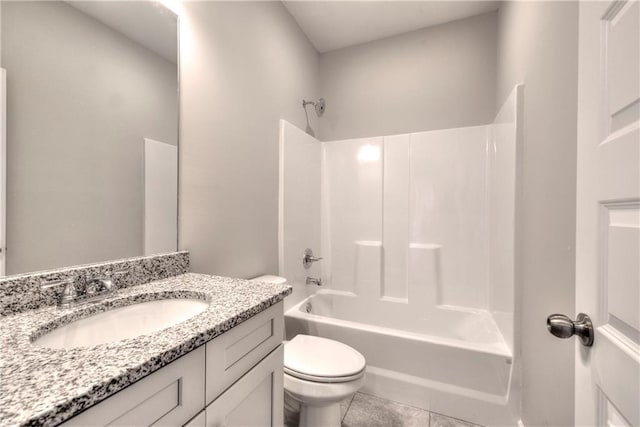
(107, 283)
(69, 295)
(47, 284)
(309, 259)
(99, 284)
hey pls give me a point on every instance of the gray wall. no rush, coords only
(244, 66)
(81, 98)
(434, 78)
(538, 46)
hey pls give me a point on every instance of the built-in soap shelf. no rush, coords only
(423, 283)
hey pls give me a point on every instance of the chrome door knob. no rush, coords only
(563, 327)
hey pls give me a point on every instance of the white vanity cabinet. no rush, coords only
(236, 379)
(247, 352)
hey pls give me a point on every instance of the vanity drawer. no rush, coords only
(169, 396)
(235, 352)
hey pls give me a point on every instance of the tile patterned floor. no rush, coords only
(370, 411)
(365, 410)
(438, 420)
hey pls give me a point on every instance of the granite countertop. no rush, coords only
(42, 386)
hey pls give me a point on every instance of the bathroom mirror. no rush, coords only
(91, 131)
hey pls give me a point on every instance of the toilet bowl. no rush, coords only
(318, 374)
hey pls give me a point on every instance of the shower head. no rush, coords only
(319, 106)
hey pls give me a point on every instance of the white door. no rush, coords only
(607, 383)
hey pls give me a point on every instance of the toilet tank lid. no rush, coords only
(270, 279)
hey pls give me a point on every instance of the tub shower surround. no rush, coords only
(417, 232)
(25, 292)
(42, 386)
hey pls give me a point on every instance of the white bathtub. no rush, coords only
(450, 361)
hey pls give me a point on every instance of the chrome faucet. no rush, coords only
(314, 281)
(309, 259)
(95, 290)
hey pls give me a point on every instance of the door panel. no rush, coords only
(608, 213)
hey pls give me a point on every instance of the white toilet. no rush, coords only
(318, 374)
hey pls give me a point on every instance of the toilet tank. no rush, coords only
(270, 279)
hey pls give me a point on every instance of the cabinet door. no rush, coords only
(169, 396)
(233, 353)
(255, 400)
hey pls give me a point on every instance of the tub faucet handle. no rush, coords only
(309, 259)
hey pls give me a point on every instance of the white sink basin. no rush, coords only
(121, 323)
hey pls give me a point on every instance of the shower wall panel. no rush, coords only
(420, 221)
(395, 231)
(502, 181)
(448, 208)
(406, 217)
(353, 198)
(299, 206)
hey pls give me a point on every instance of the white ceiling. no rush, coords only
(148, 23)
(333, 25)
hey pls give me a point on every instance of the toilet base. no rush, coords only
(320, 416)
(319, 402)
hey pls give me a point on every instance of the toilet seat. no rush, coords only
(322, 360)
(317, 379)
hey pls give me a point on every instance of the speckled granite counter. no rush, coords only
(40, 386)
